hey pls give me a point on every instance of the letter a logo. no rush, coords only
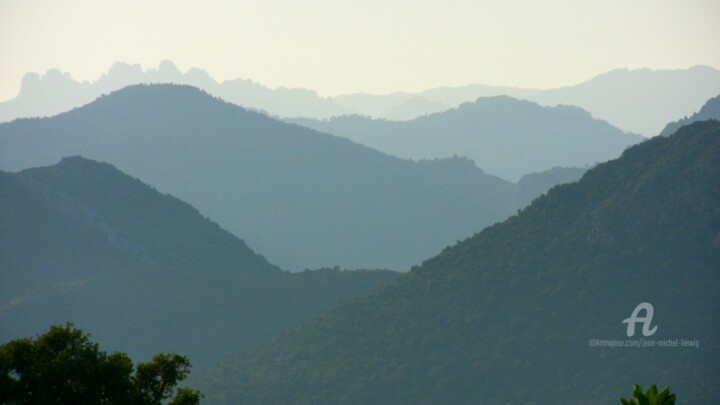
(646, 320)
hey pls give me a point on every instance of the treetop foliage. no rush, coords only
(63, 366)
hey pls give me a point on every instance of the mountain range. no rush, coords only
(142, 271)
(55, 92)
(140, 217)
(634, 100)
(519, 312)
(504, 136)
(642, 100)
(404, 106)
(304, 198)
(709, 111)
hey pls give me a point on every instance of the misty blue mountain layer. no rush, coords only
(504, 136)
(303, 198)
(530, 310)
(143, 271)
(55, 92)
(709, 111)
(634, 100)
(642, 100)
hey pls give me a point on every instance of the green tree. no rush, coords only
(62, 366)
(156, 380)
(650, 397)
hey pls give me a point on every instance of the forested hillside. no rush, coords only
(82, 242)
(510, 315)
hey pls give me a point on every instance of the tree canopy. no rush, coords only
(650, 397)
(63, 366)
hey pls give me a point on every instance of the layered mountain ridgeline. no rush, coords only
(82, 242)
(55, 92)
(504, 136)
(533, 185)
(405, 106)
(709, 111)
(303, 198)
(638, 100)
(508, 316)
(634, 100)
(414, 107)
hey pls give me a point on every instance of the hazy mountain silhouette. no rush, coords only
(507, 315)
(634, 100)
(303, 198)
(145, 272)
(504, 136)
(404, 106)
(415, 107)
(709, 111)
(45, 95)
(532, 185)
(56, 92)
(641, 101)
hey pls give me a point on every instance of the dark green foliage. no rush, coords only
(651, 397)
(186, 396)
(62, 366)
(506, 316)
(156, 380)
(81, 241)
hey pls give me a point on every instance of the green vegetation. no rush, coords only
(503, 316)
(83, 242)
(62, 366)
(651, 397)
(506, 315)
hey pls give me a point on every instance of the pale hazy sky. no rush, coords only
(338, 47)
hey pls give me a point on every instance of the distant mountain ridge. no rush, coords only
(610, 96)
(641, 100)
(532, 185)
(401, 106)
(82, 242)
(709, 111)
(56, 92)
(504, 136)
(303, 198)
(511, 315)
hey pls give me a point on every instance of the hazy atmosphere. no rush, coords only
(351, 46)
(360, 202)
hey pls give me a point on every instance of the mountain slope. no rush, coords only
(82, 242)
(56, 92)
(634, 100)
(709, 111)
(413, 105)
(508, 315)
(303, 198)
(533, 185)
(638, 100)
(504, 136)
